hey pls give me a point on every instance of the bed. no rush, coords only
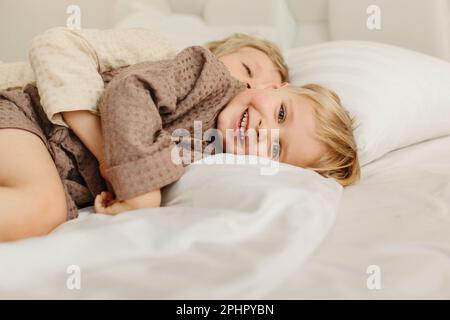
(388, 237)
(397, 218)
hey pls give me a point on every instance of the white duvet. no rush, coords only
(214, 239)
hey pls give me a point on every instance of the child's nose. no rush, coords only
(261, 101)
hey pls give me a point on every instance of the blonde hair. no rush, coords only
(334, 128)
(237, 41)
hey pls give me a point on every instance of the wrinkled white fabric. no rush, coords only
(398, 219)
(227, 232)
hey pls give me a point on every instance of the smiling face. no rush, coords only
(273, 123)
(253, 67)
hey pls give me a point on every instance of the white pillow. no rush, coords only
(184, 30)
(398, 97)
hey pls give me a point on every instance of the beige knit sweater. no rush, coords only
(66, 65)
(15, 75)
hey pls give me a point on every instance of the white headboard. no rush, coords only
(422, 25)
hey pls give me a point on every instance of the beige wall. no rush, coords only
(20, 20)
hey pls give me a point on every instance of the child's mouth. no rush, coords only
(243, 126)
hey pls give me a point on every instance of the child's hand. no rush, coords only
(105, 203)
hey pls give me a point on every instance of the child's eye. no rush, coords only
(281, 114)
(249, 72)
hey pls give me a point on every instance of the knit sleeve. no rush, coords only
(67, 63)
(15, 75)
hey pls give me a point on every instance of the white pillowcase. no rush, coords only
(397, 96)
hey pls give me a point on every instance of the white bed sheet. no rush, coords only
(216, 239)
(397, 218)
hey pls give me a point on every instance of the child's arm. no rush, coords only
(90, 134)
(68, 64)
(87, 126)
(138, 102)
(138, 151)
